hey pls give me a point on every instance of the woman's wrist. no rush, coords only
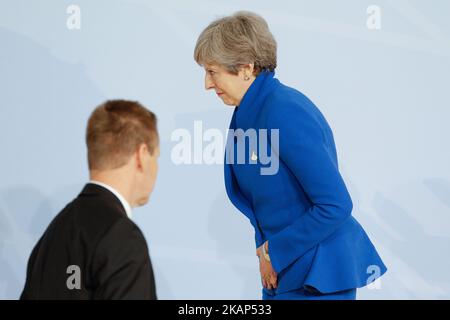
(265, 250)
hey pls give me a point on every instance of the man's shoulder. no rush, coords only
(124, 232)
(88, 217)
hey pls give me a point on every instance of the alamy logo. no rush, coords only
(74, 20)
(374, 281)
(374, 19)
(242, 147)
(74, 280)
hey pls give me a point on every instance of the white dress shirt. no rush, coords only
(122, 200)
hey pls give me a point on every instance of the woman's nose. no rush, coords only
(208, 83)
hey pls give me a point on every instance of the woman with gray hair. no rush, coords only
(308, 243)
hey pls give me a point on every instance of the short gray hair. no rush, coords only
(236, 40)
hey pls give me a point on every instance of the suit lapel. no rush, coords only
(231, 184)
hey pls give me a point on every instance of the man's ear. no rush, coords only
(140, 153)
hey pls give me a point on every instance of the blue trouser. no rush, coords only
(303, 294)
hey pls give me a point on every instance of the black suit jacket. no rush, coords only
(91, 250)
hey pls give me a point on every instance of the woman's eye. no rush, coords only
(211, 72)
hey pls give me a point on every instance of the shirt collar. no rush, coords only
(122, 200)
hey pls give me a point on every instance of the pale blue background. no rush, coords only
(385, 93)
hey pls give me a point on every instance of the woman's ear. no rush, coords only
(248, 70)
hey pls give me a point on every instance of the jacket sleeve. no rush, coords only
(259, 239)
(303, 148)
(27, 293)
(122, 267)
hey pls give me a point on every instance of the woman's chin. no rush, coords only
(229, 103)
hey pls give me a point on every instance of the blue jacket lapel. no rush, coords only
(233, 191)
(231, 185)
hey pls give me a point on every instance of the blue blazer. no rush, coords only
(304, 210)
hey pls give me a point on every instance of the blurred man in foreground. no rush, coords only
(92, 249)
